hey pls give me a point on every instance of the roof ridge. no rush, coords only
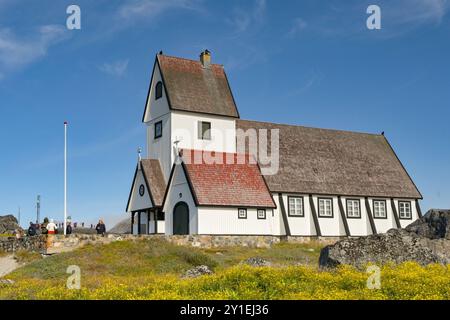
(186, 59)
(309, 127)
(199, 150)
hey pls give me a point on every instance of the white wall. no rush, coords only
(225, 221)
(414, 214)
(184, 128)
(304, 226)
(179, 186)
(299, 226)
(160, 148)
(277, 221)
(383, 225)
(156, 108)
(137, 202)
(330, 226)
(358, 226)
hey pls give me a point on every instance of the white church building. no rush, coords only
(208, 172)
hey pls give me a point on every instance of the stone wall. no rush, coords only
(11, 244)
(63, 243)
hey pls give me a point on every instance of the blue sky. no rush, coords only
(310, 63)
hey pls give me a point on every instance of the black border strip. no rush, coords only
(283, 214)
(314, 215)
(343, 216)
(394, 211)
(369, 215)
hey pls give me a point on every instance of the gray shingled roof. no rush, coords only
(322, 161)
(191, 87)
(156, 182)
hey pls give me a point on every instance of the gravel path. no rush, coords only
(7, 265)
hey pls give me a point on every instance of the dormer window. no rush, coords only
(204, 130)
(158, 90)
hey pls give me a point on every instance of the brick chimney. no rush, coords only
(205, 58)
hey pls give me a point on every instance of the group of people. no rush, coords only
(49, 227)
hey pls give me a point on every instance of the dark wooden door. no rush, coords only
(181, 218)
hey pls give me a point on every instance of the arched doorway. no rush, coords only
(181, 218)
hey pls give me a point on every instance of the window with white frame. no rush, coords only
(242, 213)
(353, 208)
(295, 206)
(261, 213)
(325, 207)
(404, 208)
(379, 209)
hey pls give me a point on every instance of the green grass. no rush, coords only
(121, 258)
(23, 256)
(152, 269)
(282, 254)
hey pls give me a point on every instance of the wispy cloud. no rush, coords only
(245, 19)
(84, 150)
(117, 68)
(298, 25)
(348, 19)
(149, 9)
(404, 16)
(17, 52)
(314, 78)
(421, 11)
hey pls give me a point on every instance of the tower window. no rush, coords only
(204, 130)
(158, 129)
(158, 90)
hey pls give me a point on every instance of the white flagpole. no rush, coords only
(65, 176)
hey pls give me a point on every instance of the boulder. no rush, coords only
(8, 224)
(435, 224)
(424, 241)
(197, 272)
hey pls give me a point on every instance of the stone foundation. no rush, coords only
(209, 241)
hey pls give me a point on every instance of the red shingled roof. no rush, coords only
(220, 182)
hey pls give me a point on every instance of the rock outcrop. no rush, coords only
(257, 262)
(123, 227)
(434, 225)
(424, 241)
(197, 272)
(8, 224)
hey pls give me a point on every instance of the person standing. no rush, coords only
(68, 229)
(44, 226)
(101, 228)
(31, 230)
(51, 231)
